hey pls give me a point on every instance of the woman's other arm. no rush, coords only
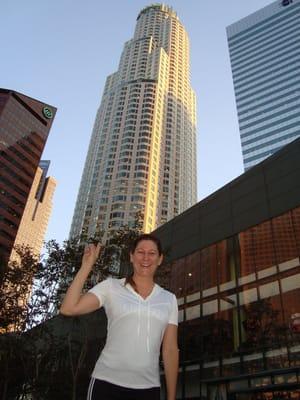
(170, 358)
(76, 303)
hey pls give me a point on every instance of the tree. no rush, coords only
(30, 341)
(15, 290)
(3, 266)
(261, 325)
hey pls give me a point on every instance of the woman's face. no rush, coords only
(145, 258)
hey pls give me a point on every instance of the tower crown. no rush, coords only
(161, 7)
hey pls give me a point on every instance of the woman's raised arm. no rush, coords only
(76, 303)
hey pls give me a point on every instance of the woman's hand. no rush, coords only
(90, 255)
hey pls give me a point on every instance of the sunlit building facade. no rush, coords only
(235, 269)
(36, 215)
(265, 63)
(142, 153)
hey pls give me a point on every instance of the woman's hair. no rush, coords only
(144, 236)
(147, 236)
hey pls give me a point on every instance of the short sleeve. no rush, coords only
(173, 318)
(101, 291)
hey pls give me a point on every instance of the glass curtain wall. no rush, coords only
(239, 302)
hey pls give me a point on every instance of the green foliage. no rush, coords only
(15, 290)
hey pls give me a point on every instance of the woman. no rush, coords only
(141, 316)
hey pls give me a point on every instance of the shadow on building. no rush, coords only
(53, 360)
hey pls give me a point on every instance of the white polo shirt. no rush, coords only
(136, 327)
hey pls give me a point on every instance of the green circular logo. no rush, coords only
(47, 112)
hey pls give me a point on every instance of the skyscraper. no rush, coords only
(37, 211)
(265, 61)
(142, 153)
(24, 128)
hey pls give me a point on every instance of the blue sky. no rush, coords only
(61, 51)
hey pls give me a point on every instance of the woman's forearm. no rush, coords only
(74, 292)
(171, 359)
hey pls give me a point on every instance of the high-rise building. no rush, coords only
(24, 128)
(37, 212)
(142, 153)
(265, 62)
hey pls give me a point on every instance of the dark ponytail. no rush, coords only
(129, 279)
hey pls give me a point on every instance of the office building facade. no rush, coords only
(24, 128)
(265, 62)
(142, 153)
(35, 218)
(235, 269)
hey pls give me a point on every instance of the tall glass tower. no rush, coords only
(142, 153)
(265, 61)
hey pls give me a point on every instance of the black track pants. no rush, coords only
(102, 390)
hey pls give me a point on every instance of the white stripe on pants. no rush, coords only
(90, 390)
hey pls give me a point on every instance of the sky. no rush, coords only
(61, 51)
